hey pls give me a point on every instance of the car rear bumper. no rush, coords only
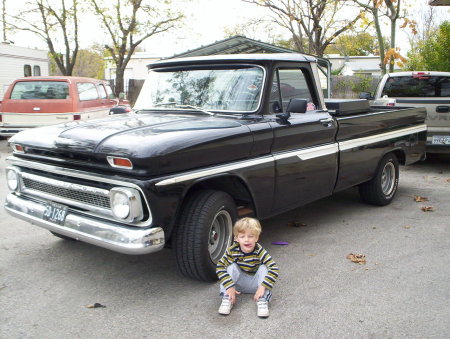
(438, 139)
(119, 238)
(9, 132)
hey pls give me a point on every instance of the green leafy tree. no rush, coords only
(128, 23)
(431, 54)
(359, 44)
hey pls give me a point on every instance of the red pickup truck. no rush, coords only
(41, 101)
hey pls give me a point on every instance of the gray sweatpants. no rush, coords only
(246, 283)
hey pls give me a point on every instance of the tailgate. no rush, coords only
(34, 119)
(438, 109)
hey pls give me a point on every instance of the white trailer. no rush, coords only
(17, 62)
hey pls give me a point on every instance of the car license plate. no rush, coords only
(55, 213)
(441, 140)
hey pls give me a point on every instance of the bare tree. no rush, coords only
(314, 24)
(51, 21)
(128, 24)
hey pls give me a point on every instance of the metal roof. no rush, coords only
(240, 45)
(235, 45)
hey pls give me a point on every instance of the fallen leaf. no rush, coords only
(448, 180)
(406, 227)
(427, 209)
(357, 258)
(96, 305)
(418, 198)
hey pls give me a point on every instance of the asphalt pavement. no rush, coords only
(402, 291)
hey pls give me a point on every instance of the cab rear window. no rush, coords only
(417, 86)
(40, 90)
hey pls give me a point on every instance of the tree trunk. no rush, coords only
(119, 86)
(392, 61)
(380, 41)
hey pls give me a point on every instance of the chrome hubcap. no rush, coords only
(219, 235)
(388, 178)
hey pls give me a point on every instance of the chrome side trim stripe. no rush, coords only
(310, 153)
(215, 170)
(346, 145)
(304, 154)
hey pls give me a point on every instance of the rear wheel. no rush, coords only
(383, 186)
(204, 232)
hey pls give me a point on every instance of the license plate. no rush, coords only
(441, 140)
(55, 213)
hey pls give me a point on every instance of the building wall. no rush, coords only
(13, 60)
(136, 68)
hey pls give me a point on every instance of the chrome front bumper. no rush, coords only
(123, 239)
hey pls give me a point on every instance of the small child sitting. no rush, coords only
(246, 267)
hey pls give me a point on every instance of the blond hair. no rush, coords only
(247, 224)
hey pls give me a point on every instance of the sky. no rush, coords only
(205, 23)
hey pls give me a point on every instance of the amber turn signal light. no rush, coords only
(119, 162)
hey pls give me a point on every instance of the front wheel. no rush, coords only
(383, 186)
(204, 232)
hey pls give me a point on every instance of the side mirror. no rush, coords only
(366, 95)
(118, 110)
(294, 106)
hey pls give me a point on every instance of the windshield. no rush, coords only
(235, 89)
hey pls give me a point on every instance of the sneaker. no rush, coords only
(225, 306)
(262, 308)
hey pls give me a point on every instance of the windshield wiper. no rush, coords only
(192, 107)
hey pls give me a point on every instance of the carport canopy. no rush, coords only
(243, 45)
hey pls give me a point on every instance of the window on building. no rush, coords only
(37, 71)
(27, 71)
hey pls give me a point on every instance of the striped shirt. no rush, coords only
(247, 262)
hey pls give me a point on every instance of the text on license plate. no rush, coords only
(55, 213)
(441, 139)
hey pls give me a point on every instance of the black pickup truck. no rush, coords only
(210, 139)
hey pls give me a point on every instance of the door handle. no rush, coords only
(327, 122)
(442, 109)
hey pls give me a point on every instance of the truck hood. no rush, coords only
(156, 143)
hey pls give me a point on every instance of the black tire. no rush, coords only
(383, 186)
(204, 231)
(64, 237)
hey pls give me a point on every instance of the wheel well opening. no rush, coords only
(400, 156)
(234, 187)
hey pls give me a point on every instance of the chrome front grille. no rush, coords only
(85, 197)
(75, 195)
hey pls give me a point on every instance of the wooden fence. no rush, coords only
(350, 86)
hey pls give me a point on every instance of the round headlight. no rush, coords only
(12, 179)
(120, 204)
